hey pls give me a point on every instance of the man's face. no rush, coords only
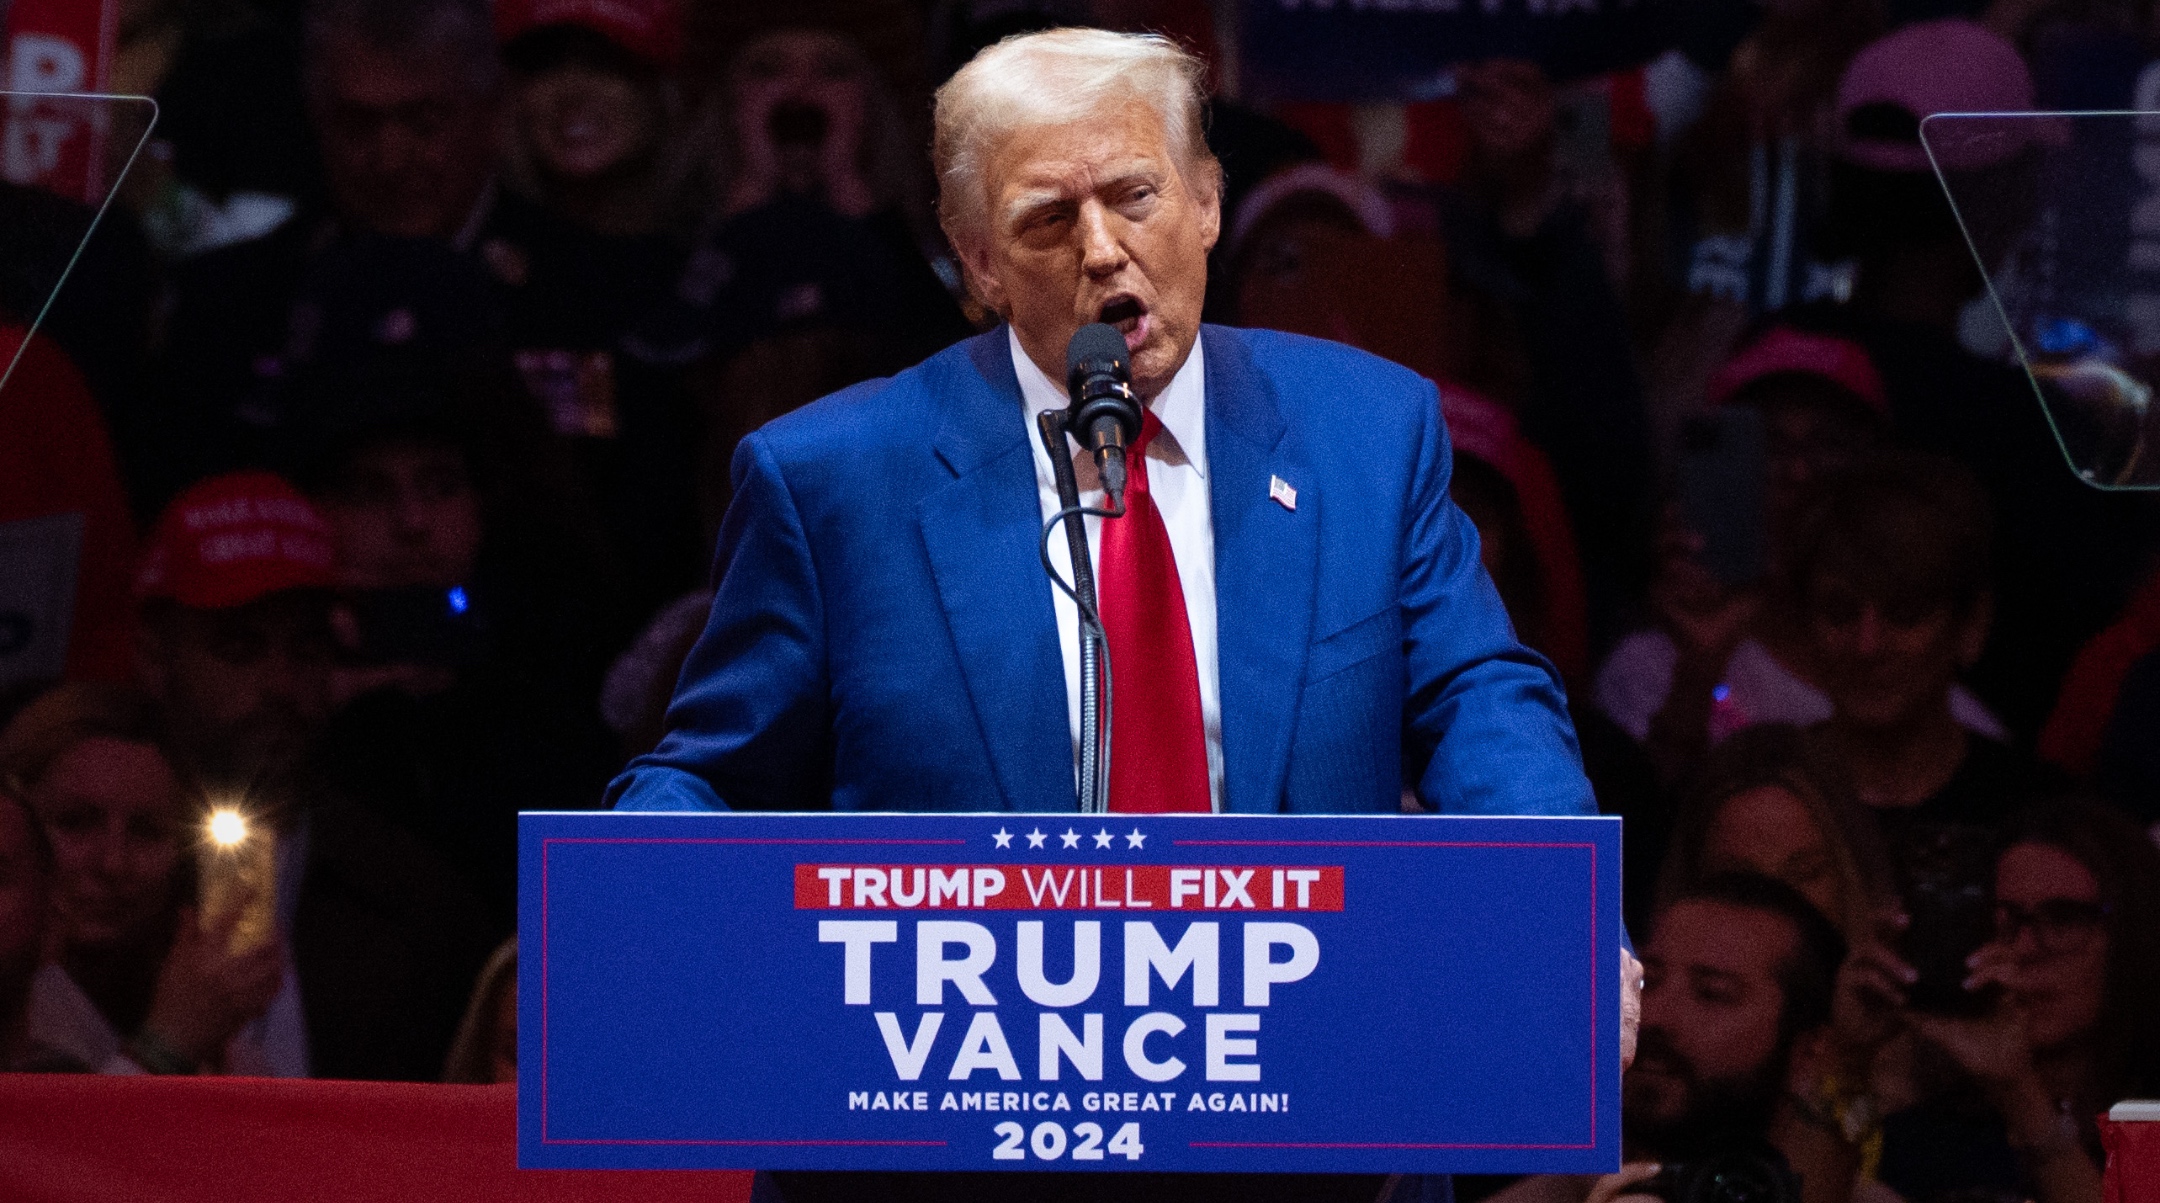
(408, 143)
(247, 688)
(1709, 1060)
(406, 514)
(1096, 222)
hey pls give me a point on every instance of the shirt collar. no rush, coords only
(1181, 407)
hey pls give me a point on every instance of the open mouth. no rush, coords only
(1129, 317)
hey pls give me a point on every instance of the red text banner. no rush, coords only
(1069, 887)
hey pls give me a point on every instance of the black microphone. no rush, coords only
(1104, 415)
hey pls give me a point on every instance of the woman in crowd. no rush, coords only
(136, 983)
(2075, 973)
(1727, 654)
(1767, 802)
(588, 239)
(1891, 578)
(593, 107)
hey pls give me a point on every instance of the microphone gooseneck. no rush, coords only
(1104, 415)
(1093, 768)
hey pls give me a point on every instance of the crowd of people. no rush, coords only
(390, 412)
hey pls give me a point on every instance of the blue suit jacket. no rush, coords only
(882, 636)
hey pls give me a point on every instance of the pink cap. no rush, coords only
(234, 539)
(1947, 66)
(650, 29)
(1365, 202)
(1783, 350)
(1484, 429)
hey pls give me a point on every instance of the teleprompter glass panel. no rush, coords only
(63, 159)
(2062, 214)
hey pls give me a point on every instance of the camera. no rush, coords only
(1735, 1176)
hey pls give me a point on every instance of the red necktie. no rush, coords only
(1158, 751)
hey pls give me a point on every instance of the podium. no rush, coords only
(1022, 991)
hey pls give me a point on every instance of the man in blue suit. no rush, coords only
(883, 635)
(1296, 614)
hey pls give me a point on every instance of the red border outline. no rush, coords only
(1259, 1144)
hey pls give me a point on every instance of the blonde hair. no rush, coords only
(1054, 78)
(67, 714)
(471, 1059)
(1786, 758)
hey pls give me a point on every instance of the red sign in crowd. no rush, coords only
(50, 136)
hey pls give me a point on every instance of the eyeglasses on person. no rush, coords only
(2058, 924)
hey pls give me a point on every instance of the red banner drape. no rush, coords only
(2133, 1161)
(88, 1139)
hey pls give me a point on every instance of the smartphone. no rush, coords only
(1721, 485)
(1950, 900)
(1582, 142)
(421, 625)
(238, 876)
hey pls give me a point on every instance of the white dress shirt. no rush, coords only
(1177, 480)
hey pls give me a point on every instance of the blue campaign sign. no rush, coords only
(1027, 992)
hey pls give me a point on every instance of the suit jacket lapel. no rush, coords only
(980, 533)
(1265, 564)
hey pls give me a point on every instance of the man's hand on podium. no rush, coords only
(1631, 984)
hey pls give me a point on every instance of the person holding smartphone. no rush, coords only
(138, 979)
(2071, 979)
(1727, 650)
(236, 647)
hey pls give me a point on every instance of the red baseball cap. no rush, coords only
(649, 29)
(1783, 350)
(234, 539)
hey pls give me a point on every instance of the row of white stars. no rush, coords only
(1071, 838)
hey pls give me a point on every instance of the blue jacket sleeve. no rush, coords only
(1491, 711)
(749, 725)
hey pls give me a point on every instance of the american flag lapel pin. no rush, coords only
(1280, 492)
